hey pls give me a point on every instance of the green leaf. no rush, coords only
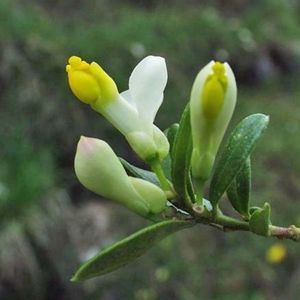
(128, 249)
(239, 190)
(260, 220)
(140, 173)
(181, 156)
(239, 146)
(166, 164)
(253, 209)
(171, 133)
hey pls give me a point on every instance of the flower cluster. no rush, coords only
(132, 112)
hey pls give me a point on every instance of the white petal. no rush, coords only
(122, 115)
(229, 104)
(146, 84)
(127, 96)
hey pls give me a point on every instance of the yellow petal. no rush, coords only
(214, 92)
(84, 86)
(89, 82)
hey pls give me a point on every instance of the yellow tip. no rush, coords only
(214, 91)
(75, 61)
(89, 83)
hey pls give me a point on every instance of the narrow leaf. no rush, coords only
(260, 220)
(239, 190)
(128, 249)
(181, 156)
(140, 173)
(239, 146)
(170, 133)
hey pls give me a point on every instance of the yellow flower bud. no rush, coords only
(89, 83)
(276, 253)
(213, 99)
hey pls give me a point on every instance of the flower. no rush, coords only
(133, 111)
(213, 99)
(276, 253)
(99, 170)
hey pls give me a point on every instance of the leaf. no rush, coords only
(140, 173)
(253, 209)
(260, 220)
(239, 146)
(170, 133)
(166, 165)
(128, 249)
(239, 190)
(181, 156)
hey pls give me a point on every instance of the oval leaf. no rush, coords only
(239, 146)
(260, 220)
(128, 249)
(181, 156)
(238, 192)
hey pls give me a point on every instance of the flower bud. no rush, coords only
(213, 99)
(99, 170)
(89, 82)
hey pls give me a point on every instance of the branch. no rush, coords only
(292, 232)
(227, 224)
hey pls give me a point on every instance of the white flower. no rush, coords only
(131, 112)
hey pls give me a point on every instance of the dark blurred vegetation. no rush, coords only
(49, 223)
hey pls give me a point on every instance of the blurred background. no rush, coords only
(49, 224)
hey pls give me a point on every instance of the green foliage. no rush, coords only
(128, 249)
(239, 190)
(140, 173)
(238, 148)
(170, 133)
(26, 174)
(181, 156)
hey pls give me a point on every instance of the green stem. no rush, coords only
(158, 170)
(231, 223)
(292, 232)
(199, 190)
(226, 223)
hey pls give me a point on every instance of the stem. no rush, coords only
(199, 187)
(231, 223)
(226, 223)
(291, 232)
(158, 170)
